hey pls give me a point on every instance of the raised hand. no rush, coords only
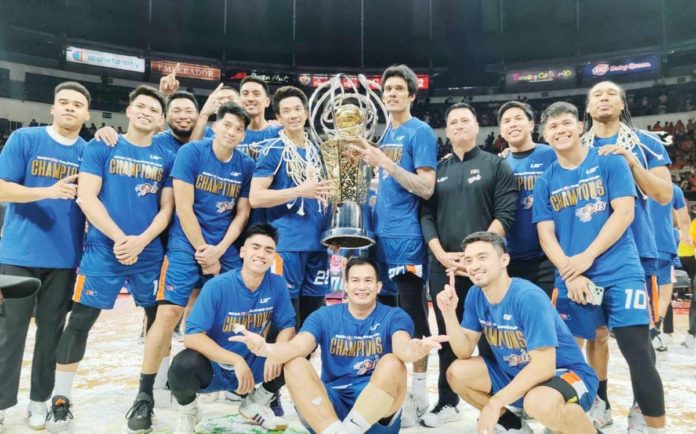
(169, 84)
(447, 298)
(254, 342)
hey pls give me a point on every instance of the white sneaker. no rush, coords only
(659, 342)
(524, 429)
(231, 396)
(2, 420)
(36, 413)
(189, 416)
(59, 419)
(257, 407)
(414, 409)
(163, 398)
(440, 415)
(636, 421)
(689, 341)
(177, 336)
(599, 414)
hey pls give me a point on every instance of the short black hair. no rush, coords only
(559, 108)
(287, 92)
(496, 240)
(404, 72)
(231, 107)
(460, 105)
(355, 261)
(182, 94)
(516, 104)
(262, 229)
(73, 85)
(147, 91)
(254, 79)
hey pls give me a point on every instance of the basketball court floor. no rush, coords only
(107, 383)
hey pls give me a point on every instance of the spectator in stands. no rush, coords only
(33, 123)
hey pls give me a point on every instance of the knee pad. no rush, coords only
(73, 343)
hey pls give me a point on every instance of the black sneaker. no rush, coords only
(276, 405)
(59, 418)
(140, 414)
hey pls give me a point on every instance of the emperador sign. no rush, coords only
(187, 70)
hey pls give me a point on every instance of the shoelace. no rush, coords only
(59, 411)
(141, 408)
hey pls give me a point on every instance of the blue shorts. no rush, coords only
(624, 304)
(584, 384)
(664, 272)
(101, 291)
(343, 395)
(387, 273)
(225, 379)
(181, 274)
(307, 273)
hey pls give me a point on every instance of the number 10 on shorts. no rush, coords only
(636, 299)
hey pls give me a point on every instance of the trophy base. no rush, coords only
(347, 238)
(350, 225)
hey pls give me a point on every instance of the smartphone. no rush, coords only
(597, 294)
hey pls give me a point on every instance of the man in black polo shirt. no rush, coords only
(474, 191)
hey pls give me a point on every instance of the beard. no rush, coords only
(184, 134)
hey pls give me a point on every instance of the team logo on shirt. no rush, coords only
(146, 188)
(213, 184)
(49, 167)
(569, 196)
(517, 359)
(365, 366)
(394, 152)
(155, 157)
(509, 337)
(536, 165)
(225, 206)
(585, 213)
(527, 202)
(356, 346)
(473, 179)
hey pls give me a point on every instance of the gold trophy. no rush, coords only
(345, 109)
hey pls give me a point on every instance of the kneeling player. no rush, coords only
(250, 297)
(211, 186)
(536, 363)
(364, 345)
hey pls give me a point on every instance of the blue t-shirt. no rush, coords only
(225, 301)
(299, 222)
(642, 226)
(522, 237)
(412, 146)
(255, 139)
(350, 348)
(578, 201)
(47, 233)
(217, 187)
(664, 223)
(168, 139)
(132, 181)
(524, 320)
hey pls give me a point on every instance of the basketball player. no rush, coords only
(364, 345)
(609, 128)
(122, 245)
(251, 298)
(255, 100)
(211, 185)
(536, 364)
(584, 205)
(406, 159)
(528, 161)
(287, 183)
(42, 237)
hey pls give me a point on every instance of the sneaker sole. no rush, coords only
(282, 427)
(140, 431)
(449, 420)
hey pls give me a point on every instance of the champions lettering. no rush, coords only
(393, 152)
(251, 321)
(52, 169)
(217, 186)
(526, 182)
(512, 339)
(356, 347)
(136, 169)
(585, 191)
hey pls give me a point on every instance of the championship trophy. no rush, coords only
(343, 113)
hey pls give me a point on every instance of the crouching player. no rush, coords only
(251, 297)
(364, 345)
(536, 364)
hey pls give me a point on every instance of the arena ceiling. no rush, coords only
(468, 37)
